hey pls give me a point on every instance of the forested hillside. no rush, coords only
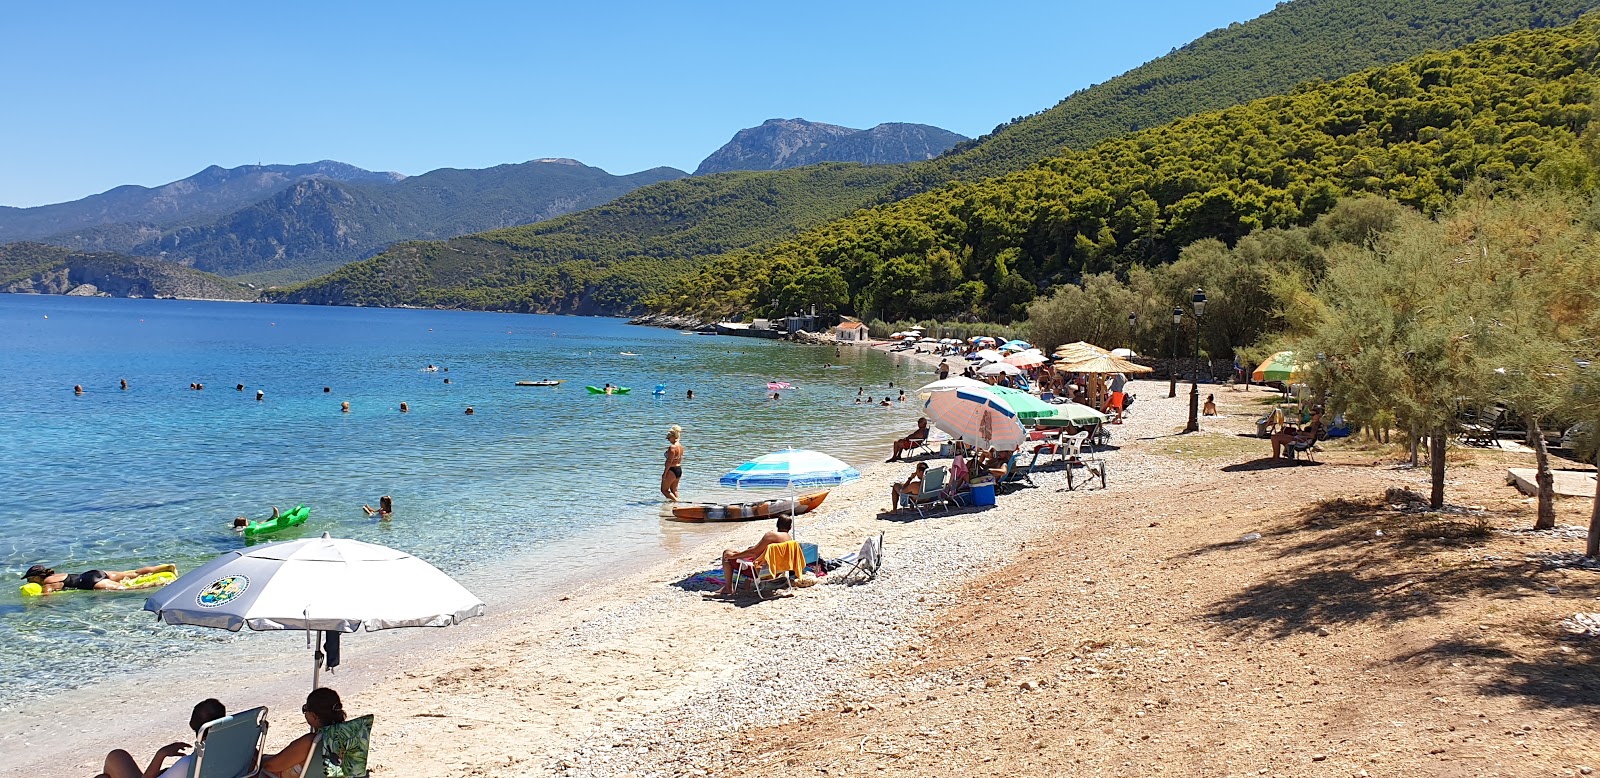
(1513, 111)
(1270, 55)
(603, 259)
(1299, 41)
(36, 268)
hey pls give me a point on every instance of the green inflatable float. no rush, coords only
(290, 518)
(614, 390)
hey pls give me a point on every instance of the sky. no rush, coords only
(100, 94)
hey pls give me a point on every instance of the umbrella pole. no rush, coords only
(316, 661)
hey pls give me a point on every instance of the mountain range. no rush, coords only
(779, 144)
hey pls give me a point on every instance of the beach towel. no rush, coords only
(782, 558)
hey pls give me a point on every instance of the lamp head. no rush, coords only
(1177, 314)
(1199, 301)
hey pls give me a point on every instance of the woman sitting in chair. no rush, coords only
(322, 709)
(1289, 436)
(911, 486)
(911, 441)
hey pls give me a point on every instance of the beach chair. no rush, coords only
(340, 750)
(1017, 475)
(230, 747)
(863, 563)
(931, 493)
(779, 566)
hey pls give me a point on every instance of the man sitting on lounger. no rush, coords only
(911, 486)
(731, 557)
(911, 441)
(120, 764)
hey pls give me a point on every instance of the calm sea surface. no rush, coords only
(523, 491)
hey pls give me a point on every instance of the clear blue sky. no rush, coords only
(102, 94)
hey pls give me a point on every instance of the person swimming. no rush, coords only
(50, 581)
(124, 383)
(469, 410)
(405, 408)
(77, 389)
(384, 510)
(344, 407)
(259, 395)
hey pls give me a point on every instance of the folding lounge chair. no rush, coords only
(1017, 475)
(230, 747)
(864, 562)
(932, 491)
(340, 750)
(779, 566)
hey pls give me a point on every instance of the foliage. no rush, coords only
(697, 218)
(43, 269)
(1296, 42)
(1513, 111)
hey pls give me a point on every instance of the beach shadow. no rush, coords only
(1268, 463)
(1557, 680)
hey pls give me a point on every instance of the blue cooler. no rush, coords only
(983, 493)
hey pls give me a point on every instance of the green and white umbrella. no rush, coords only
(1278, 367)
(1073, 414)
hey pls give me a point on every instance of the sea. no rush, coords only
(538, 486)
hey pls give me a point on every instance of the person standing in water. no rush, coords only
(385, 509)
(674, 467)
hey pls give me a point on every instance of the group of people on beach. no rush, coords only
(322, 709)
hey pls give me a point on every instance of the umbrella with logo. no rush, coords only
(977, 417)
(322, 585)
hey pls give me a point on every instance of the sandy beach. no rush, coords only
(1209, 612)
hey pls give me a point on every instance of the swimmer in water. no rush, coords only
(326, 390)
(405, 408)
(259, 395)
(238, 387)
(344, 407)
(124, 384)
(691, 394)
(77, 389)
(469, 410)
(50, 581)
(384, 510)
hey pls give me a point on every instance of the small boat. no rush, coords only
(614, 390)
(546, 382)
(749, 511)
(628, 354)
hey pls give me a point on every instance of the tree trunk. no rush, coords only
(1545, 479)
(1416, 441)
(1436, 469)
(1593, 550)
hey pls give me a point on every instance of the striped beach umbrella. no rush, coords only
(1278, 367)
(791, 468)
(977, 417)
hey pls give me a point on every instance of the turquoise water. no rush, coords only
(537, 478)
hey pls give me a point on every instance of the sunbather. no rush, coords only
(120, 764)
(1290, 436)
(912, 485)
(50, 581)
(1210, 408)
(910, 441)
(321, 709)
(731, 557)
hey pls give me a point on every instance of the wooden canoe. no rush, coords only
(749, 511)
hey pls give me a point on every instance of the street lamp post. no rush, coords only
(1199, 301)
(1172, 371)
(1133, 321)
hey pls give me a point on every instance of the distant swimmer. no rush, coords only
(344, 407)
(691, 394)
(384, 510)
(77, 388)
(199, 387)
(238, 387)
(326, 390)
(447, 380)
(886, 403)
(469, 410)
(49, 581)
(259, 395)
(405, 408)
(124, 383)
(775, 396)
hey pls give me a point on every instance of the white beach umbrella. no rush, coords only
(953, 382)
(1029, 358)
(321, 584)
(999, 368)
(989, 355)
(976, 417)
(1124, 352)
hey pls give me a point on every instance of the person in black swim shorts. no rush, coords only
(51, 581)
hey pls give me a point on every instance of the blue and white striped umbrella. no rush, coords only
(976, 417)
(791, 468)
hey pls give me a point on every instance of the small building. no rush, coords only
(853, 331)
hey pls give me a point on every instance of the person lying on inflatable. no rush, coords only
(44, 580)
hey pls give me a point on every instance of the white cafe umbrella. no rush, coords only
(997, 368)
(989, 355)
(953, 382)
(321, 584)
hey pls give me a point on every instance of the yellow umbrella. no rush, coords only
(1103, 363)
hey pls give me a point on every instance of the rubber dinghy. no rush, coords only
(748, 511)
(290, 518)
(614, 390)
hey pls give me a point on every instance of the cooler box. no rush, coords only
(983, 493)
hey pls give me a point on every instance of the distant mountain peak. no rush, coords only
(784, 143)
(560, 161)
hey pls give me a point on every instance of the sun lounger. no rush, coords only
(1016, 475)
(340, 750)
(931, 492)
(779, 566)
(230, 747)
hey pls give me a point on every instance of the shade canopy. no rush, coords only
(327, 584)
(1080, 350)
(1075, 414)
(989, 355)
(1024, 405)
(1102, 363)
(1029, 358)
(976, 417)
(791, 468)
(1278, 367)
(953, 382)
(1000, 368)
